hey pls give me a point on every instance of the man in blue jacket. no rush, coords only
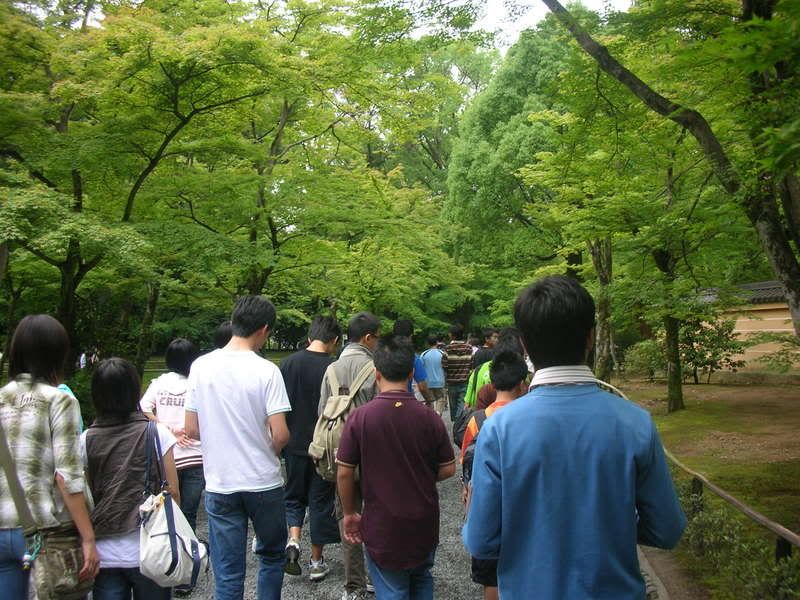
(568, 478)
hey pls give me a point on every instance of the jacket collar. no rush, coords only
(565, 374)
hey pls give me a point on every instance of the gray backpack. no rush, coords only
(330, 424)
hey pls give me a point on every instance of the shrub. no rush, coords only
(645, 358)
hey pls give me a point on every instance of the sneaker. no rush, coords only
(293, 558)
(182, 591)
(318, 570)
(254, 544)
(370, 587)
(356, 595)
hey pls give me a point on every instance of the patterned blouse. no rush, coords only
(42, 426)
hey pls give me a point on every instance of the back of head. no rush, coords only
(394, 357)
(508, 369)
(555, 316)
(324, 329)
(223, 335)
(432, 339)
(457, 332)
(180, 355)
(250, 314)
(404, 328)
(362, 324)
(115, 387)
(509, 340)
(39, 347)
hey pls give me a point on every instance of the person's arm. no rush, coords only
(661, 519)
(191, 425)
(422, 386)
(172, 476)
(76, 506)
(191, 422)
(446, 458)
(446, 471)
(346, 487)
(481, 532)
(279, 431)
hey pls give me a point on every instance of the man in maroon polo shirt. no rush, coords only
(402, 449)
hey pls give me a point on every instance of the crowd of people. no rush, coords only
(561, 478)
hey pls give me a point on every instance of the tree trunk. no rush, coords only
(3, 261)
(674, 384)
(146, 335)
(66, 300)
(600, 250)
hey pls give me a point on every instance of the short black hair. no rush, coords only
(115, 387)
(39, 347)
(362, 324)
(432, 339)
(324, 329)
(250, 314)
(457, 331)
(404, 327)
(394, 357)
(180, 355)
(508, 368)
(223, 334)
(488, 332)
(555, 316)
(509, 338)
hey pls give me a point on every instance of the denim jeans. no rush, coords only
(191, 484)
(227, 529)
(406, 584)
(456, 392)
(305, 488)
(117, 584)
(13, 579)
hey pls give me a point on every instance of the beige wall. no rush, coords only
(755, 318)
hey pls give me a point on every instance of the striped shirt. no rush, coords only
(459, 361)
(42, 426)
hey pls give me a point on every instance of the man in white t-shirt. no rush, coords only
(236, 405)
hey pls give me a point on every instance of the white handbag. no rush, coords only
(169, 552)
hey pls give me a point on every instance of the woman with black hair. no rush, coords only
(163, 402)
(115, 452)
(41, 425)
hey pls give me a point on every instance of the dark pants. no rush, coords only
(191, 484)
(305, 488)
(405, 584)
(227, 531)
(355, 571)
(456, 392)
(117, 584)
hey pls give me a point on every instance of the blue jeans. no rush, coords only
(227, 531)
(117, 584)
(13, 578)
(456, 392)
(406, 584)
(191, 484)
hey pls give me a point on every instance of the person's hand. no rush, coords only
(91, 561)
(352, 528)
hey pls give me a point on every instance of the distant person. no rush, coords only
(82, 360)
(402, 449)
(480, 391)
(435, 361)
(164, 402)
(223, 335)
(302, 373)
(41, 426)
(474, 343)
(569, 478)
(509, 375)
(459, 358)
(362, 333)
(486, 351)
(236, 406)
(418, 385)
(114, 451)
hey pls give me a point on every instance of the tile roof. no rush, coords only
(762, 292)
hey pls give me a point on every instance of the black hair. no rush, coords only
(473, 340)
(324, 329)
(488, 332)
(362, 324)
(39, 347)
(509, 338)
(555, 316)
(115, 387)
(457, 331)
(432, 339)
(508, 368)
(180, 355)
(394, 357)
(404, 327)
(223, 334)
(250, 314)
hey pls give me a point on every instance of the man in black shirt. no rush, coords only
(302, 373)
(486, 352)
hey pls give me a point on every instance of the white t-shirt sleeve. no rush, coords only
(191, 387)
(166, 438)
(148, 401)
(277, 398)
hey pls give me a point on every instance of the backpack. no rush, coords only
(330, 424)
(469, 451)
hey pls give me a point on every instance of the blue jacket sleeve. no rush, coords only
(482, 530)
(661, 519)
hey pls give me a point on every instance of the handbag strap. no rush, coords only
(15, 488)
(153, 445)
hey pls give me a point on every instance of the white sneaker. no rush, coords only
(253, 545)
(318, 570)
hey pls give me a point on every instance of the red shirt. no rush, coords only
(399, 443)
